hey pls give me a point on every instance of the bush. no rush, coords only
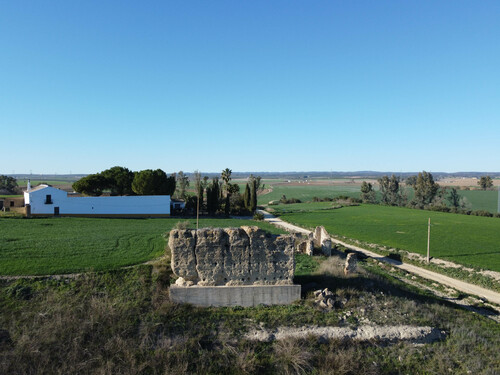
(325, 199)
(481, 213)
(258, 216)
(182, 225)
(284, 200)
(440, 208)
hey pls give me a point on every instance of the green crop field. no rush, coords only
(469, 240)
(307, 192)
(477, 199)
(66, 245)
(481, 199)
(49, 182)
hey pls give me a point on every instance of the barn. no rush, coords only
(45, 200)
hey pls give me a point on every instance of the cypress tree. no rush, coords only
(253, 196)
(247, 197)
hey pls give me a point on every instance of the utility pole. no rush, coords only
(198, 209)
(429, 242)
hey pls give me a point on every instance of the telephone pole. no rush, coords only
(429, 242)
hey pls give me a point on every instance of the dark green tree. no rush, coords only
(8, 184)
(367, 192)
(246, 197)
(253, 195)
(454, 198)
(485, 182)
(149, 182)
(425, 189)
(213, 196)
(391, 193)
(92, 185)
(226, 178)
(119, 180)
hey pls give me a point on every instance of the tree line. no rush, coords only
(220, 195)
(427, 193)
(122, 181)
(217, 196)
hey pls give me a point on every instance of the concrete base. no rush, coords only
(244, 295)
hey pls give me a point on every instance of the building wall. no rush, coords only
(119, 205)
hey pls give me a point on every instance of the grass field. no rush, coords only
(477, 199)
(307, 192)
(66, 245)
(481, 200)
(469, 240)
(50, 182)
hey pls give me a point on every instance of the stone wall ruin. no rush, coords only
(323, 241)
(231, 256)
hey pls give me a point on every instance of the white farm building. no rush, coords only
(46, 200)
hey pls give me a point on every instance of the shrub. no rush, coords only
(284, 200)
(482, 213)
(324, 199)
(440, 208)
(258, 216)
(181, 225)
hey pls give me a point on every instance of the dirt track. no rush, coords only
(422, 272)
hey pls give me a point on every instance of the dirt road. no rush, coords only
(472, 289)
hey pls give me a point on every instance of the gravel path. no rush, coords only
(486, 294)
(421, 335)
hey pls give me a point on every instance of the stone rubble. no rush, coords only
(326, 300)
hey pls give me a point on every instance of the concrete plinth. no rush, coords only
(244, 295)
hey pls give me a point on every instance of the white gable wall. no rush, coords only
(119, 205)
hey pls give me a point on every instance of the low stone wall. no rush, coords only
(243, 295)
(231, 256)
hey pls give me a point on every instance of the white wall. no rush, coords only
(120, 205)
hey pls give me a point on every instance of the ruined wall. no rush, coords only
(231, 256)
(323, 240)
(304, 244)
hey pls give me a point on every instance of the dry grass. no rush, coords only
(122, 322)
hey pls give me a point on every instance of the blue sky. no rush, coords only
(249, 85)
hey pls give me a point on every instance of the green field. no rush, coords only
(469, 240)
(49, 182)
(66, 245)
(477, 199)
(307, 192)
(481, 199)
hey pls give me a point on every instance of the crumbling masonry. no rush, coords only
(231, 257)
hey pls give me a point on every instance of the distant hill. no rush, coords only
(280, 175)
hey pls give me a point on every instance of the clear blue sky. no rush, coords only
(249, 85)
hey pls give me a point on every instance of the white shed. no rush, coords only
(46, 200)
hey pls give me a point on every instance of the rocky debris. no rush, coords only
(323, 240)
(326, 300)
(350, 264)
(421, 335)
(231, 256)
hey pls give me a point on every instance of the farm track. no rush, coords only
(459, 285)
